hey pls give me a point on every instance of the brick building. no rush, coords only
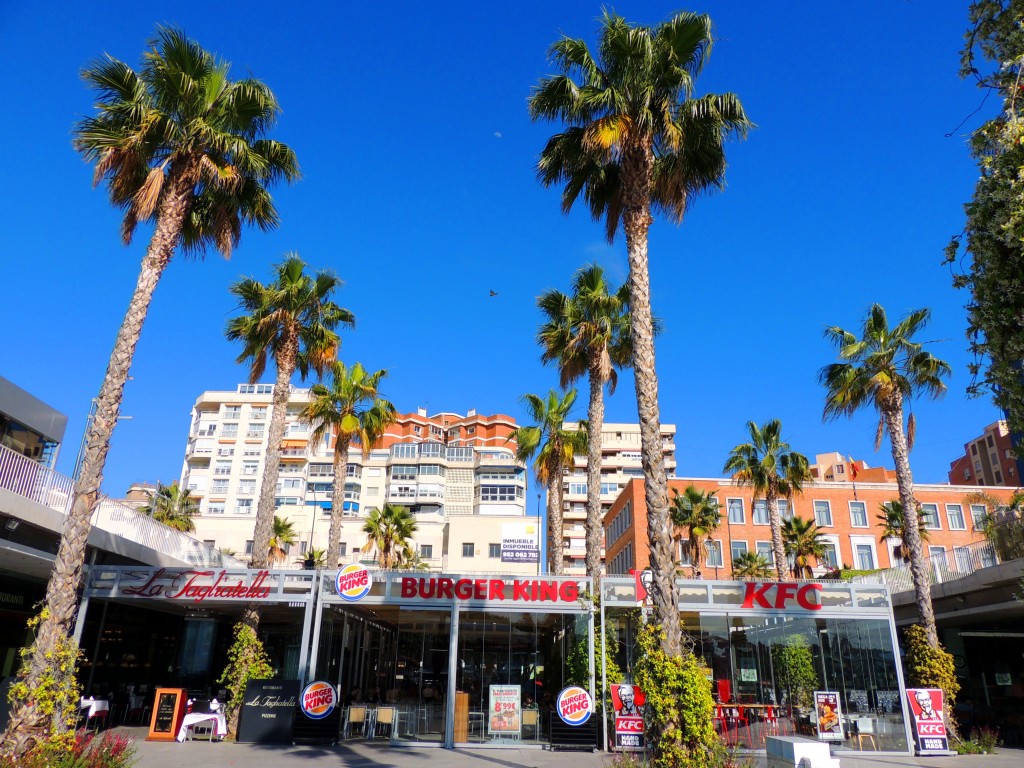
(988, 459)
(847, 514)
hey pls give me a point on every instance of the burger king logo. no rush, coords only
(574, 705)
(318, 700)
(353, 582)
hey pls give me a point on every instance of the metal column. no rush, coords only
(304, 672)
(453, 668)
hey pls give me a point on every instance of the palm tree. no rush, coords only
(891, 518)
(554, 447)
(587, 333)
(282, 537)
(291, 320)
(773, 471)
(881, 369)
(751, 566)
(314, 559)
(389, 531)
(182, 146)
(351, 408)
(699, 513)
(173, 506)
(804, 540)
(636, 139)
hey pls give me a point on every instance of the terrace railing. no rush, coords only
(951, 565)
(24, 477)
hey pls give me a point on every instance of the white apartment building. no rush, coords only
(620, 462)
(456, 473)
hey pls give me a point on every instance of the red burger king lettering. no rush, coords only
(353, 582)
(574, 705)
(349, 581)
(518, 590)
(318, 700)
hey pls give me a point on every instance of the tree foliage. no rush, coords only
(795, 672)
(247, 660)
(991, 247)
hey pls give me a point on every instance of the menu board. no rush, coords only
(829, 716)
(505, 709)
(168, 712)
(268, 711)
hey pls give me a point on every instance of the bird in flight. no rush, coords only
(494, 293)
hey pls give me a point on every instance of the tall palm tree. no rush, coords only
(389, 531)
(751, 566)
(697, 511)
(183, 147)
(552, 448)
(892, 521)
(292, 321)
(351, 408)
(635, 138)
(773, 471)
(282, 537)
(173, 506)
(586, 333)
(881, 369)
(803, 540)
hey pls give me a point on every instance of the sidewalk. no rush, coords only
(360, 754)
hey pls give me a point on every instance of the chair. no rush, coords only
(384, 716)
(531, 719)
(721, 723)
(97, 720)
(865, 732)
(354, 716)
(738, 716)
(206, 728)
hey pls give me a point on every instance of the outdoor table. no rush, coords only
(220, 725)
(94, 706)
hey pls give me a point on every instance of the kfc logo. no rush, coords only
(779, 596)
(926, 706)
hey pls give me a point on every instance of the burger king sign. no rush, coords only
(574, 705)
(353, 582)
(318, 700)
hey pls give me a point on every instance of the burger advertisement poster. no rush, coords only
(830, 719)
(930, 728)
(503, 715)
(628, 701)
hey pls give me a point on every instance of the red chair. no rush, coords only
(721, 723)
(739, 716)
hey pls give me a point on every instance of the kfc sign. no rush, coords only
(517, 590)
(929, 724)
(781, 596)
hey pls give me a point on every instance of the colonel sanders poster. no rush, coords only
(926, 706)
(628, 701)
(830, 719)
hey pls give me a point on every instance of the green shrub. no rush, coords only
(927, 667)
(85, 751)
(679, 708)
(987, 738)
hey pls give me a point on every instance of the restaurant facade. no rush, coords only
(421, 658)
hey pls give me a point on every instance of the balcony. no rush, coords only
(38, 492)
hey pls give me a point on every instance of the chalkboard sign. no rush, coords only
(267, 711)
(168, 712)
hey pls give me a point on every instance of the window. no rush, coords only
(258, 412)
(403, 450)
(764, 549)
(403, 472)
(930, 516)
(829, 557)
(494, 550)
(248, 547)
(822, 513)
(938, 554)
(467, 549)
(735, 507)
(497, 493)
(840, 469)
(211, 543)
(738, 549)
(255, 430)
(225, 451)
(978, 515)
(955, 516)
(963, 559)
(252, 452)
(785, 510)
(249, 467)
(290, 483)
(760, 513)
(858, 514)
(578, 489)
(247, 487)
(222, 468)
(243, 506)
(232, 411)
(219, 486)
(432, 469)
(619, 524)
(286, 501)
(865, 556)
(609, 488)
(215, 508)
(230, 430)
(426, 551)
(343, 549)
(714, 549)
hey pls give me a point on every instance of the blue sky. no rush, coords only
(418, 156)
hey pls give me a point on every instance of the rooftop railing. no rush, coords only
(24, 477)
(949, 566)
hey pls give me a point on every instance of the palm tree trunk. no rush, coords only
(637, 172)
(911, 533)
(771, 502)
(555, 522)
(337, 500)
(695, 556)
(595, 418)
(28, 723)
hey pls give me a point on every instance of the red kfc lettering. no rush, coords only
(803, 597)
(409, 587)
(497, 590)
(784, 592)
(756, 593)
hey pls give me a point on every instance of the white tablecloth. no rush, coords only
(92, 707)
(220, 728)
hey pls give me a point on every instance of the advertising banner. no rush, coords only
(929, 727)
(520, 543)
(628, 701)
(830, 719)
(503, 711)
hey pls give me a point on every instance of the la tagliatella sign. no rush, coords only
(199, 585)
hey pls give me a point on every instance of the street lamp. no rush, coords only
(79, 460)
